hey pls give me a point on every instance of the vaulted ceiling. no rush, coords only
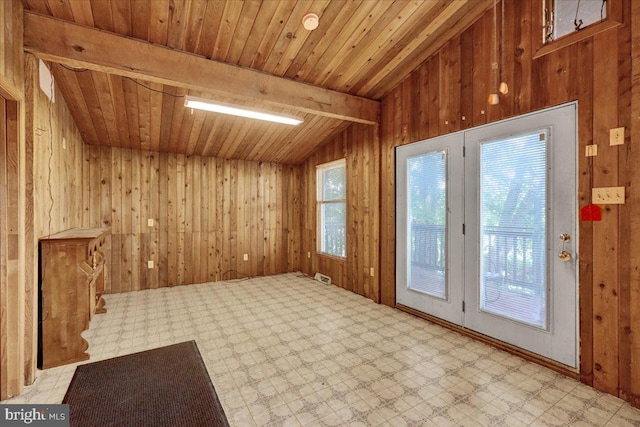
(124, 66)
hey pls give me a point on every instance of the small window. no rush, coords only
(332, 208)
(563, 17)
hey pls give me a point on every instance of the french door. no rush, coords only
(482, 216)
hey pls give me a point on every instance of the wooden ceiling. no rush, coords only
(359, 52)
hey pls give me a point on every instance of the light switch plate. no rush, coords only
(591, 150)
(150, 222)
(246, 257)
(616, 136)
(608, 196)
(149, 264)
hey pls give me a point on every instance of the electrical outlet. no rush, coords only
(64, 143)
(608, 196)
(308, 254)
(149, 264)
(616, 136)
(150, 222)
(591, 150)
(371, 271)
(246, 257)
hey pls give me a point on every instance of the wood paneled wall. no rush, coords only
(11, 287)
(630, 354)
(16, 226)
(57, 158)
(359, 146)
(206, 212)
(53, 161)
(449, 92)
(11, 62)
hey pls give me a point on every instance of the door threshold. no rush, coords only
(500, 345)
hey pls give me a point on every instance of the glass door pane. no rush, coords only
(513, 183)
(427, 223)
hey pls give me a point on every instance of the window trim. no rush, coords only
(540, 48)
(320, 169)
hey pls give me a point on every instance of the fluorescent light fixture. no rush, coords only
(216, 107)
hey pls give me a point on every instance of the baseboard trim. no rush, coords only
(527, 355)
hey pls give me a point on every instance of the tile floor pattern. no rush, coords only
(288, 351)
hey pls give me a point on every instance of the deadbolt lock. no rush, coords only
(564, 256)
(565, 237)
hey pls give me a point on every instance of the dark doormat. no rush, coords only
(167, 386)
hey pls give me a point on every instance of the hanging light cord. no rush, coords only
(502, 38)
(495, 77)
(494, 63)
(84, 70)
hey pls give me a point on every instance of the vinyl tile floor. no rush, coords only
(289, 351)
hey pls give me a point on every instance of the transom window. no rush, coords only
(332, 208)
(563, 17)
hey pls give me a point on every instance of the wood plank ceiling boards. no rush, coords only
(253, 53)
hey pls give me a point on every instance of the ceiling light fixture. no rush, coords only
(310, 21)
(216, 107)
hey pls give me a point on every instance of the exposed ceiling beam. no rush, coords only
(78, 46)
